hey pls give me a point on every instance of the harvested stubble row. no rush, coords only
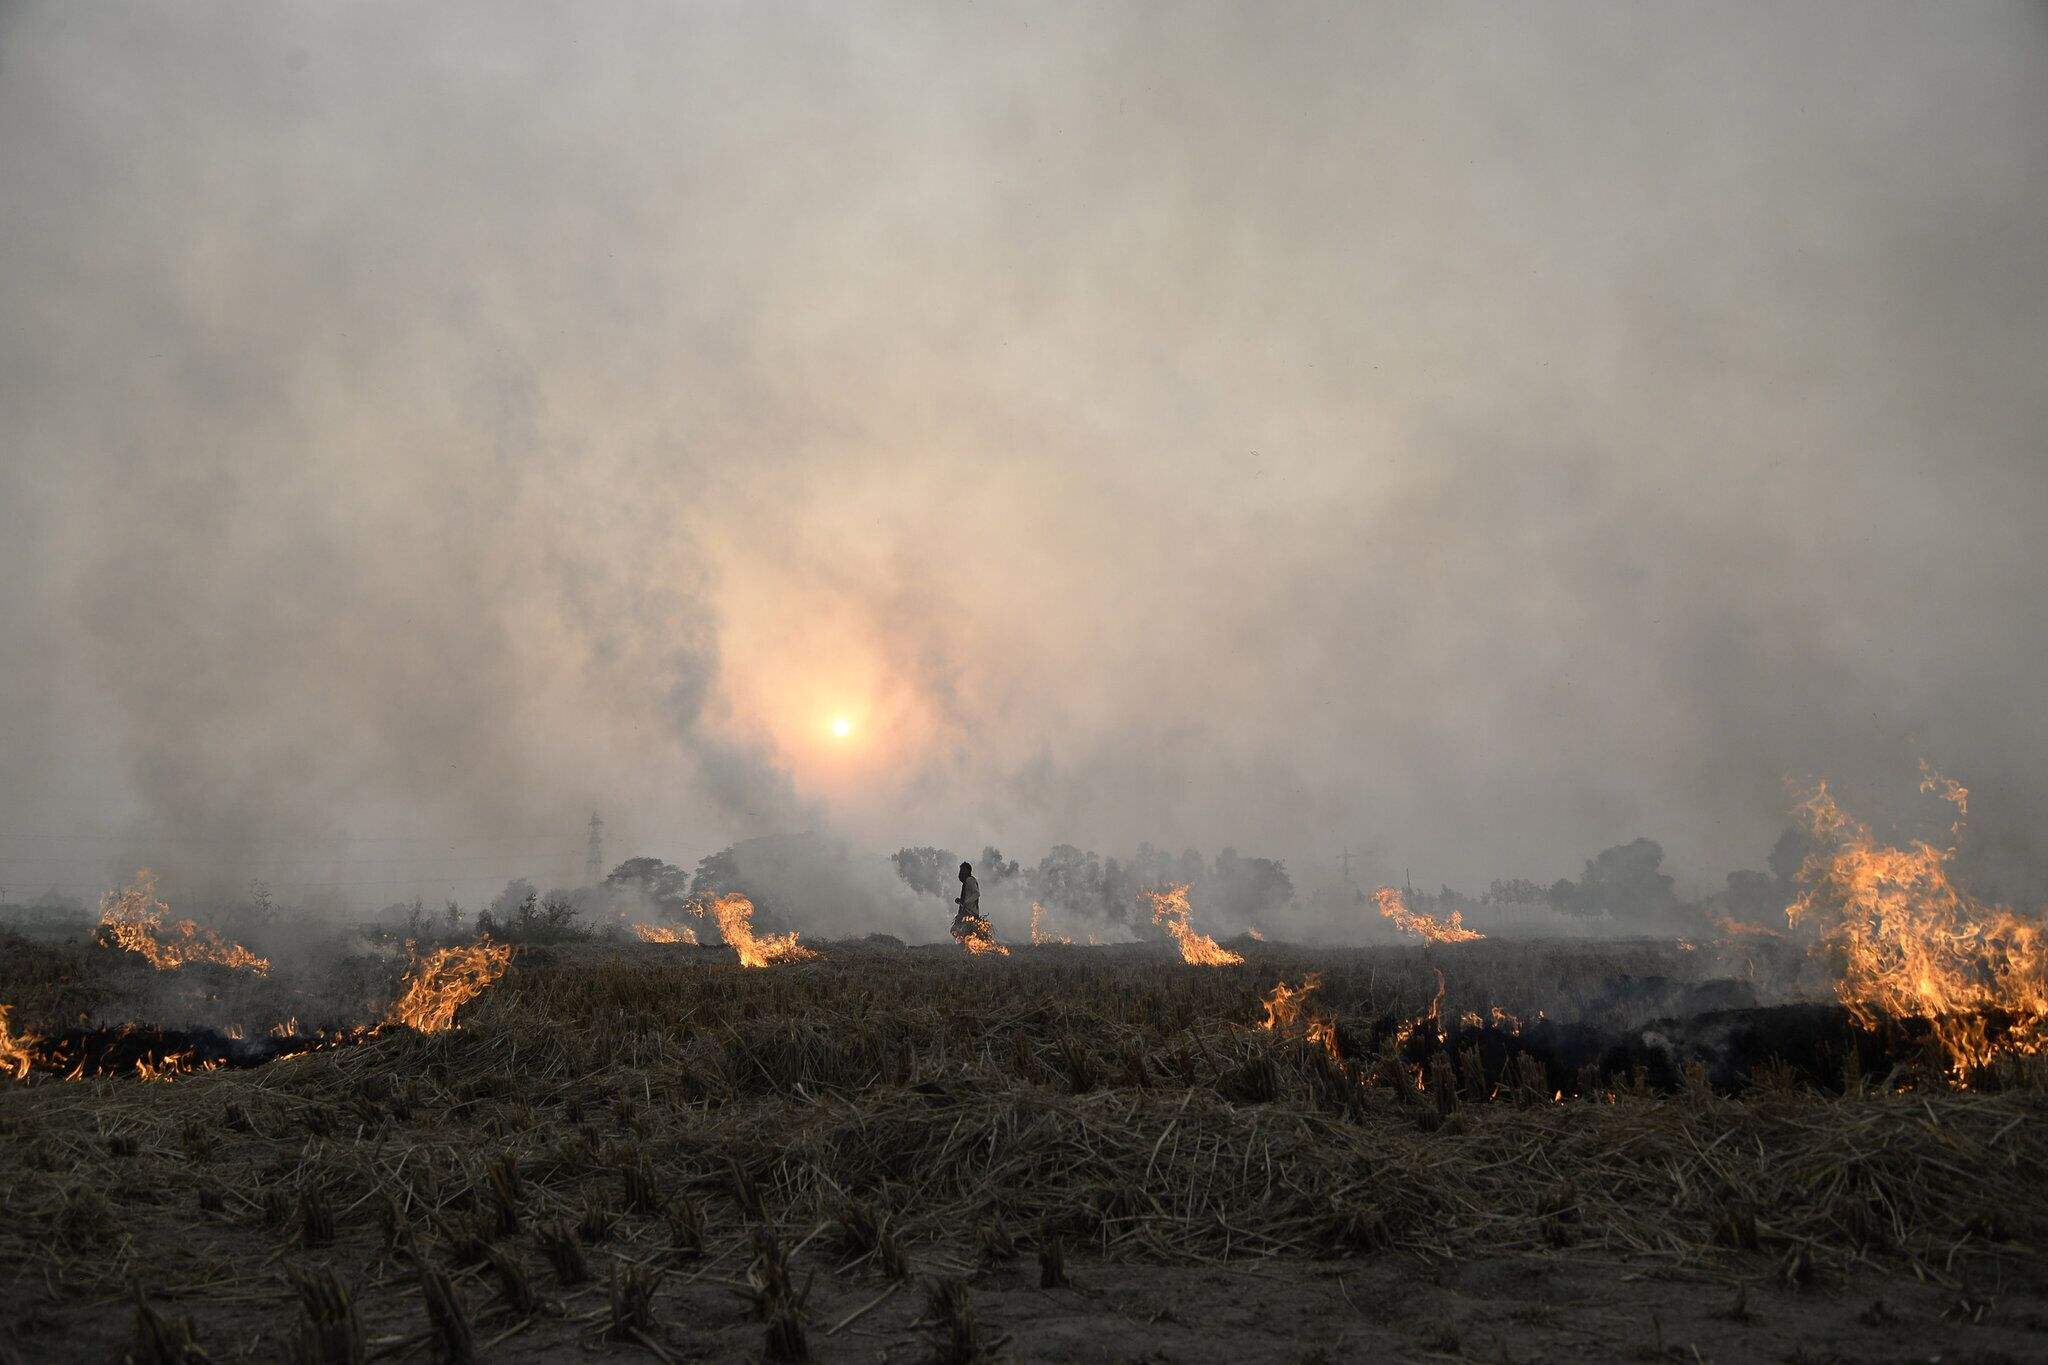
(1118, 1109)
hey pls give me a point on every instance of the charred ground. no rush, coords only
(1067, 1153)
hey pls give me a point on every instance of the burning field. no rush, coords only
(1157, 1151)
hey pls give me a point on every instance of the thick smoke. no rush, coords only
(1486, 436)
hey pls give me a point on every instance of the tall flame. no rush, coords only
(666, 933)
(1428, 926)
(443, 981)
(735, 916)
(1040, 936)
(1170, 909)
(14, 1056)
(1911, 944)
(133, 918)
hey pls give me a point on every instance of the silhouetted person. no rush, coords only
(969, 899)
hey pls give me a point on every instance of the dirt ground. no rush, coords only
(1522, 1309)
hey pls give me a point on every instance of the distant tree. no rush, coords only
(505, 905)
(992, 869)
(930, 871)
(1068, 879)
(1149, 866)
(552, 918)
(778, 873)
(716, 873)
(1247, 889)
(1119, 890)
(1626, 882)
(555, 920)
(1514, 891)
(663, 887)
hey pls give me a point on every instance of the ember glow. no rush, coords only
(1909, 943)
(1495, 1017)
(735, 916)
(148, 1053)
(666, 933)
(1170, 909)
(1427, 926)
(443, 981)
(134, 919)
(1735, 928)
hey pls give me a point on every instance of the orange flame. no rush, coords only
(735, 916)
(1040, 936)
(1287, 1009)
(132, 918)
(1495, 1017)
(1286, 1004)
(1170, 908)
(666, 933)
(1429, 927)
(14, 1047)
(168, 1068)
(1433, 1017)
(977, 937)
(445, 980)
(1910, 944)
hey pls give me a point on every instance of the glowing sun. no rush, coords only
(842, 727)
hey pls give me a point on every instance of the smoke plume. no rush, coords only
(1486, 435)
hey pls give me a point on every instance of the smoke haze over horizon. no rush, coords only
(1475, 436)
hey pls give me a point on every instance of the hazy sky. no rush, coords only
(1477, 434)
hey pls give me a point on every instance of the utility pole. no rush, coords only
(593, 860)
